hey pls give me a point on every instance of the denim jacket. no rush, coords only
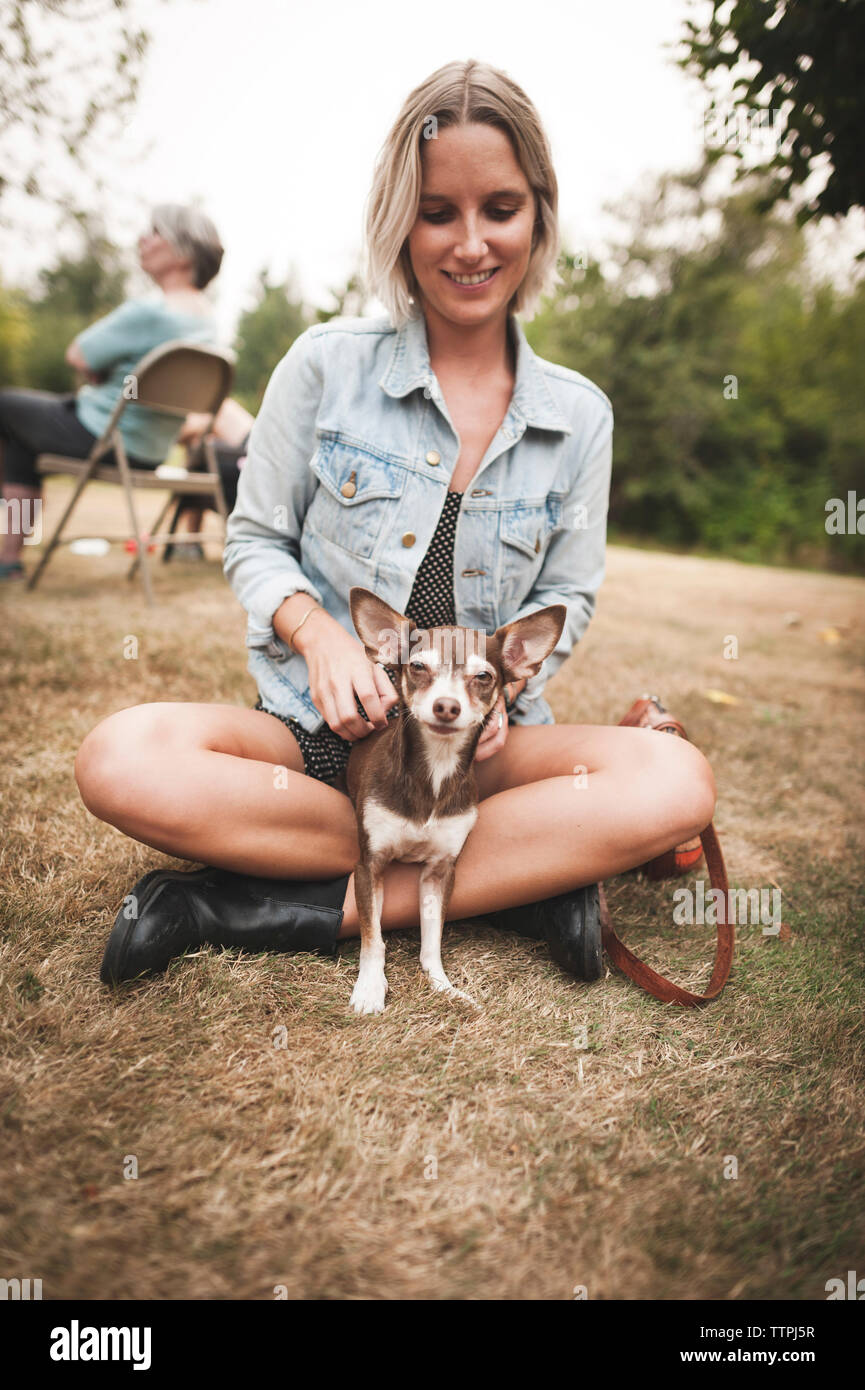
(345, 477)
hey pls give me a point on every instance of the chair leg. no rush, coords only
(168, 549)
(59, 528)
(123, 466)
(213, 470)
(156, 525)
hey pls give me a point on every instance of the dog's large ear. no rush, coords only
(527, 642)
(385, 634)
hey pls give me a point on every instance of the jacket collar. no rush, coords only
(532, 401)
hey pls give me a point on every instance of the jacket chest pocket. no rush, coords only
(357, 495)
(525, 533)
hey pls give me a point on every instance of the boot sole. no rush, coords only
(584, 959)
(114, 958)
(592, 952)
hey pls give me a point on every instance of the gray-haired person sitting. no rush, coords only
(181, 252)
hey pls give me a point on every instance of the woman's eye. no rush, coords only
(443, 215)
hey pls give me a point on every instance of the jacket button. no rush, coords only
(348, 489)
(433, 458)
(408, 539)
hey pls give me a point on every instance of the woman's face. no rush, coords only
(474, 224)
(157, 255)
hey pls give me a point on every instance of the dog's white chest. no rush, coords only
(396, 837)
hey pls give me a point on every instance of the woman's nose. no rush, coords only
(471, 243)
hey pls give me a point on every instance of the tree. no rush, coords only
(352, 299)
(735, 376)
(89, 285)
(66, 68)
(267, 330)
(15, 333)
(805, 58)
(70, 295)
(264, 335)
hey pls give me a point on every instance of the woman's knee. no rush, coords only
(687, 778)
(121, 754)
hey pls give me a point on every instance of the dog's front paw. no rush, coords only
(442, 985)
(367, 997)
(466, 998)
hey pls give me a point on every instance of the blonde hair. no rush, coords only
(460, 93)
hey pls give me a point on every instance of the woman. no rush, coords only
(230, 429)
(181, 252)
(433, 458)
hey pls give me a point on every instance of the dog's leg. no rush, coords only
(436, 884)
(368, 994)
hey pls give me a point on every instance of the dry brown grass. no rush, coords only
(432, 1152)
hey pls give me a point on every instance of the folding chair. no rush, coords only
(174, 379)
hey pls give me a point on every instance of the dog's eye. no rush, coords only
(419, 667)
(484, 677)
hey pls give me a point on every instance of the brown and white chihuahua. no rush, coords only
(413, 783)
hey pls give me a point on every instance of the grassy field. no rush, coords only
(281, 1141)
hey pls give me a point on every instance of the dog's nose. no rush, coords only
(446, 709)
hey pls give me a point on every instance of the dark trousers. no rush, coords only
(40, 422)
(228, 461)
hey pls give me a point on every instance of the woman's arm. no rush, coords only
(262, 551)
(573, 568)
(74, 358)
(114, 338)
(275, 489)
(76, 361)
(339, 668)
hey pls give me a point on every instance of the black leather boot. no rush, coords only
(169, 912)
(570, 924)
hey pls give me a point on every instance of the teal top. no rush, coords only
(115, 345)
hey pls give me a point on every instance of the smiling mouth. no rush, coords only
(480, 277)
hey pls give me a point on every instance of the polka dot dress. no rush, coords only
(431, 604)
(432, 596)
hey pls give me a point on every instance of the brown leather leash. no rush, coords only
(649, 713)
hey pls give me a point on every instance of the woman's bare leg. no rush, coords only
(12, 541)
(561, 805)
(217, 784)
(231, 425)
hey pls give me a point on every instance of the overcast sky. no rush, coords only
(271, 112)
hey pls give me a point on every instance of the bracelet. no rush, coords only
(291, 635)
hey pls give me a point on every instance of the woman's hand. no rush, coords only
(339, 669)
(193, 429)
(493, 738)
(83, 371)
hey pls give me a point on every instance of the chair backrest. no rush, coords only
(181, 378)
